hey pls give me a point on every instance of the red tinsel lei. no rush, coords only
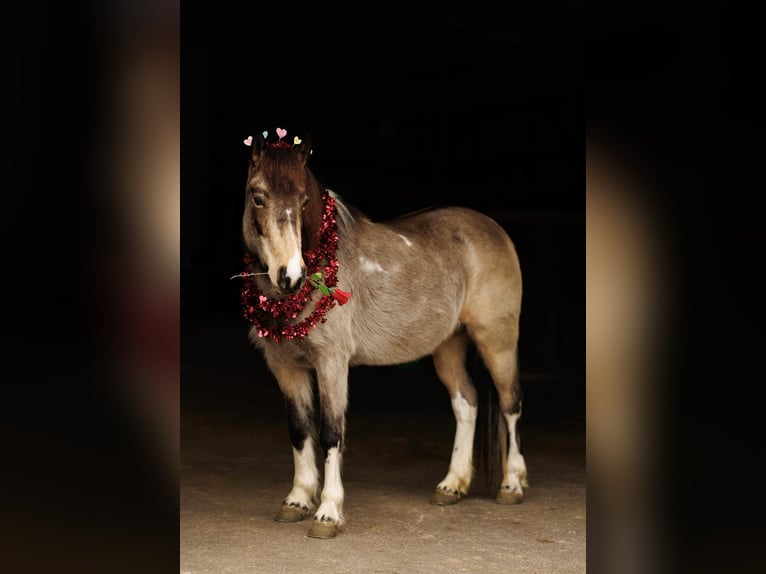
(272, 317)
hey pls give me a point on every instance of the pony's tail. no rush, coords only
(490, 444)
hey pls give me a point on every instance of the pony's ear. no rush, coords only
(303, 149)
(258, 145)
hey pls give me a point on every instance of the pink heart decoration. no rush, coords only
(281, 133)
(248, 140)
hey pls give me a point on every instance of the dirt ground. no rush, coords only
(236, 466)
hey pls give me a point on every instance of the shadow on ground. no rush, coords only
(237, 467)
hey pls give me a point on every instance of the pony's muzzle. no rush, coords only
(288, 283)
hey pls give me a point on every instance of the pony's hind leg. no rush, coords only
(449, 360)
(499, 351)
(296, 387)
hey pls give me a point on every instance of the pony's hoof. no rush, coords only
(508, 496)
(443, 498)
(323, 529)
(291, 513)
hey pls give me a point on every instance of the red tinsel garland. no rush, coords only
(280, 144)
(272, 316)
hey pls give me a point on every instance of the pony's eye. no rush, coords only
(305, 202)
(258, 200)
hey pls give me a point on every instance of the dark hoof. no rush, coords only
(323, 529)
(444, 498)
(291, 513)
(508, 496)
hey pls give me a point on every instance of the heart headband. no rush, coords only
(281, 133)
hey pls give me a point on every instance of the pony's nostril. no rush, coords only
(287, 283)
(283, 281)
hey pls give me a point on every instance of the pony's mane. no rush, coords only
(312, 216)
(346, 219)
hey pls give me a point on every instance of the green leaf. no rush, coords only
(316, 276)
(324, 289)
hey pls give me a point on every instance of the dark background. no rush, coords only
(482, 108)
(674, 89)
(392, 99)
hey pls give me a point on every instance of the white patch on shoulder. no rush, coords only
(294, 266)
(407, 242)
(370, 266)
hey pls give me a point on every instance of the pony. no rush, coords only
(427, 283)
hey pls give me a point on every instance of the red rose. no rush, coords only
(341, 296)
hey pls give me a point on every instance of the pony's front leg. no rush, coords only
(332, 379)
(297, 389)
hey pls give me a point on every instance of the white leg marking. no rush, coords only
(516, 472)
(407, 242)
(332, 493)
(306, 480)
(294, 266)
(458, 478)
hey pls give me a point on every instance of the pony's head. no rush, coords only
(283, 211)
